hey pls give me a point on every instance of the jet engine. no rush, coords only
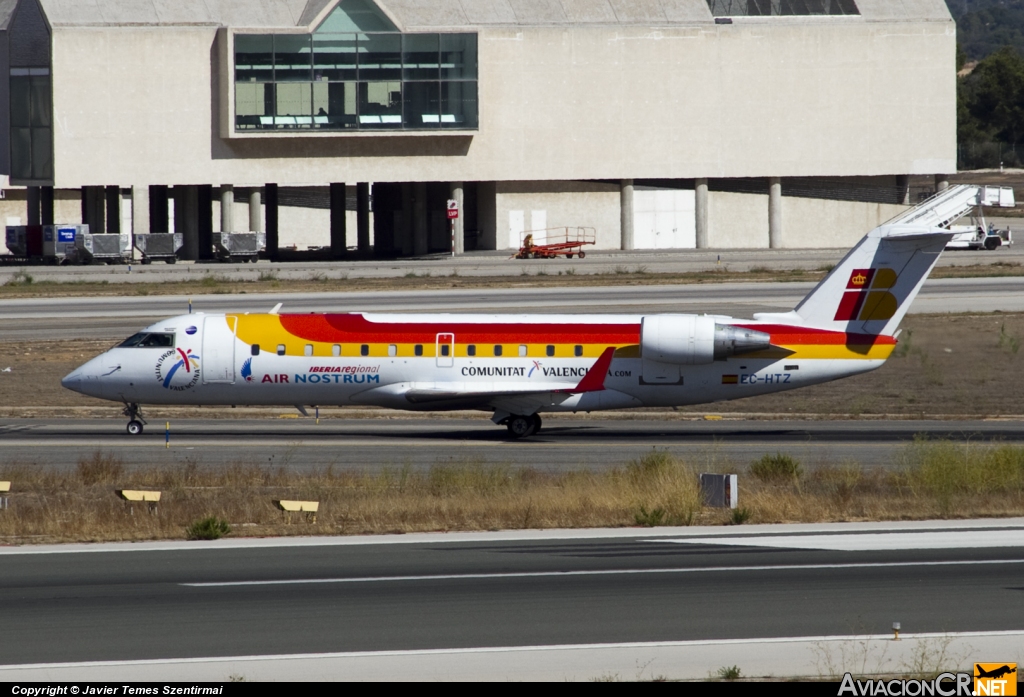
(695, 339)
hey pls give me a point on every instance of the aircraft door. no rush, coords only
(218, 357)
(445, 350)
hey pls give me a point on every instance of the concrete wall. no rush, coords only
(814, 97)
(535, 205)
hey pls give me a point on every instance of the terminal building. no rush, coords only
(346, 125)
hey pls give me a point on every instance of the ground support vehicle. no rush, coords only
(979, 234)
(556, 242)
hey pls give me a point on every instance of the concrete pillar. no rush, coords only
(113, 200)
(255, 211)
(93, 208)
(700, 211)
(487, 215)
(159, 208)
(32, 214)
(626, 213)
(186, 219)
(903, 189)
(941, 182)
(363, 217)
(227, 208)
(205, 223)
(420, 229)
(46, 205)
(404, 232)
(140, 213)
(458, 192)
(339, 229)
(775, 213)
(270, 193)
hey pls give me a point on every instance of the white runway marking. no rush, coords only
(603, 572)
(873, 542)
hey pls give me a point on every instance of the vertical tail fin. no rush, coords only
(872, 288)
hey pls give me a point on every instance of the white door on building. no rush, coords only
(664, 219)
(538, 224)
(516, 226)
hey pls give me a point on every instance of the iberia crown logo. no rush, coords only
(859, 279)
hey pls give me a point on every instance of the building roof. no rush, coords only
(420, 15)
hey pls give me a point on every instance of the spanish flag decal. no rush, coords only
(730, 379)
(859, 304)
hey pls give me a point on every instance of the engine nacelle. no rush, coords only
(695, 339)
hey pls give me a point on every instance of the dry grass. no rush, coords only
(933, 480)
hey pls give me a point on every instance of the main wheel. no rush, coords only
(582, 254)
(535, 420)
(520, 426)
(992, 242)
(134, 427)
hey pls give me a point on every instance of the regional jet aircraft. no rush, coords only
(520, 366)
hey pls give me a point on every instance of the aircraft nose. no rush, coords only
(72, 381)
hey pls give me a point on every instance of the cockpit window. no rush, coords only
(149, 340)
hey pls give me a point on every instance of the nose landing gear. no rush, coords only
(134, 413)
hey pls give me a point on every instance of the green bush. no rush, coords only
(650, 519)
(211, 528)
(776, 468)
(739, 516)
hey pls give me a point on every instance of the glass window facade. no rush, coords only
(773, 8)
(356, 81)
(31, 125)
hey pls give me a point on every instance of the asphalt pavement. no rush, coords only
(438, 592)
(373, 444)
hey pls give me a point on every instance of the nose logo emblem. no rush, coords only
(178, 369)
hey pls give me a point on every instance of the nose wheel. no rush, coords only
(135, 421)
(523, 426)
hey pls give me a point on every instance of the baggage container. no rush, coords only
(239, 246)
(59, 241)
(159, 246)
(104, 249)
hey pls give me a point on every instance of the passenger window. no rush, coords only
(418, 349)
(446, 350)
(364, 350)
(280, 349)
(392, 350)
(255, 349)
(336, 350)
(309, 350)
(471, 350)
(522, 349)
(497, 349)
(578, 350)
(550, 350)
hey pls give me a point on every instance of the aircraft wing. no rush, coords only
(509, 397)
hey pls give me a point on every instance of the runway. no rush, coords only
(112, 317)
(372, 444)
(337, 597)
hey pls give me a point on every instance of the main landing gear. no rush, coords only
(523, 426)
(134, 413)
